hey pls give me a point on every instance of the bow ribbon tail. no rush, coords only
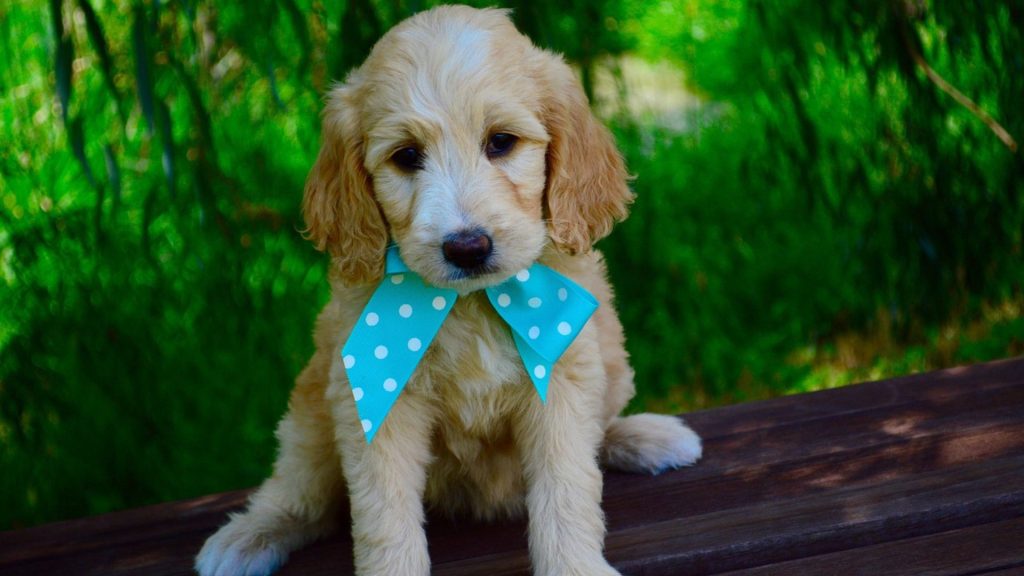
(537, 367)
(546, 312)
(389, 340)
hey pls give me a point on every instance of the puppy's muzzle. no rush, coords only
(468, 249)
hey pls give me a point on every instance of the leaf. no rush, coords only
(142, 66)
(113, 175)
(361, 26)
(148, 209)
(102, 48)
(99, 43)
(76, 135)
(298, 21)
(167, 141)
(97, 215)
(65, 54)
(196, 99)
(272, 79)
(154, 21)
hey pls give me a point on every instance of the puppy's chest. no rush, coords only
(473, 370)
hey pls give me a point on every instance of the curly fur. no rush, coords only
(468, 435)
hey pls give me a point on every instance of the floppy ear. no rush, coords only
(586, 189)
(341, 214)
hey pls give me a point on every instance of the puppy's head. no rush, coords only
(468, 147)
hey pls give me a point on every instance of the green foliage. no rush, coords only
(156, 297)
(836, 184)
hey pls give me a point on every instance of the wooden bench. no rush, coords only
(922, 475)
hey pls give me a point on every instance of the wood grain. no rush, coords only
(916, 475)
(992, 549)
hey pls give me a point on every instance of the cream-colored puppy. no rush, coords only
(476, 153)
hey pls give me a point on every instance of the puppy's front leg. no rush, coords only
(386, 480)
(559, 443)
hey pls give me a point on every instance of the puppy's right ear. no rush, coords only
(341, 214)
(587, 191)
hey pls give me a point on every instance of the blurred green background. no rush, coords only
(827, 192)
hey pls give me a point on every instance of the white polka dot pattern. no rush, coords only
(544, 309)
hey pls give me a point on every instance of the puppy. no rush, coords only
(457, 126)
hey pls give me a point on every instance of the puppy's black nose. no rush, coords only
(467, 249)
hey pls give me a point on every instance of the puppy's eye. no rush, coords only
(500, 144)
(409, 158)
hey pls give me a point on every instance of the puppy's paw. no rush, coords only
(240, 548)
(650, 443)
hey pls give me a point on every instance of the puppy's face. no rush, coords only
(468, 147)
(455, 147)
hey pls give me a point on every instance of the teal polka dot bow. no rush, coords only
(544, 309)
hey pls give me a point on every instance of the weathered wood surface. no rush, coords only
(922, 475)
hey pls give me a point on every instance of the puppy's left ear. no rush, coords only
(342, 216)
(586, 188)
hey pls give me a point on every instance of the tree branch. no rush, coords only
(957, 95)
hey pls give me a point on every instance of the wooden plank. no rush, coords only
(804, 451)
(776, 531)
(809, 458)
(129, 527)
(157, 557)
(940, 388)
(822, 462)
(995, 549)
(741, 489)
